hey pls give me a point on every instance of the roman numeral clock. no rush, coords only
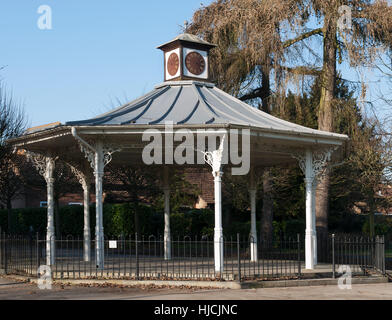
(186, 58)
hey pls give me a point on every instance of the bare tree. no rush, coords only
(12, 124)
(264, 45)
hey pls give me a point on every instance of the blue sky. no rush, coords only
(97, 51)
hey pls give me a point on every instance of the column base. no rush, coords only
(167, 248)
(50, 248)
(253, 252)
(218, 250)
(309, 250)
(99, 249)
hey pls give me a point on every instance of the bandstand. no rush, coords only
(186, 114)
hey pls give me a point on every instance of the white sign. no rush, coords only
(112, 244)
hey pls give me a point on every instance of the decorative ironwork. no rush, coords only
(320, 162)
(82, 178)
(107, 153)
(214, 158)
(40, 163)
(88, 153)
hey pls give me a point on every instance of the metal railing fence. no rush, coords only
(192, 258)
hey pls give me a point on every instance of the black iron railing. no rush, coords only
(388, 253)
(192, 258)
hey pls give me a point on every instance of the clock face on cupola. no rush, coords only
(186, 58)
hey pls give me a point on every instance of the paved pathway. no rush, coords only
(12, 290)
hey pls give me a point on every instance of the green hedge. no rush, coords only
(119, 220)
(382, 225)
(23, 219)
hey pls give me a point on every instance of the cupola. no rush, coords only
(186, 58)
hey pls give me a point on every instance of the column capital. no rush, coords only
(100, 174)
(217, 174)
(214, 158)
(43, 164)
(105, 150)
(317, 166)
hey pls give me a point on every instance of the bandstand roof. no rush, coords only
(188, 104)
(191, 104)
(195, 103)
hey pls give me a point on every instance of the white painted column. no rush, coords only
(99, 232)
(253, 229)
(167, 233)
(309, 232)
(85, 181)
(86, 217)
(314, 186)
(98, 157)
(214, 159)
(50, 234)
(314, 165)
(218, 231)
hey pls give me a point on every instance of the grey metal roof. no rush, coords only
(193, 103)
(189, 38)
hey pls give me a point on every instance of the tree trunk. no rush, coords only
(137, 220)
(372, 208)
(266, 230)
(227, 216)
(267, 215)
(371, 225)
(266, 89)
(10, 217)
(322, 205)
(325, 116)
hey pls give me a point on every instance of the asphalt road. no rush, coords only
(10, 290)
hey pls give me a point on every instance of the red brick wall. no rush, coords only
(204, 180)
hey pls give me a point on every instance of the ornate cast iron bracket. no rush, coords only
(214, 158)
(320, 162)
(84, 179)
(40, 163)
(107, 153)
